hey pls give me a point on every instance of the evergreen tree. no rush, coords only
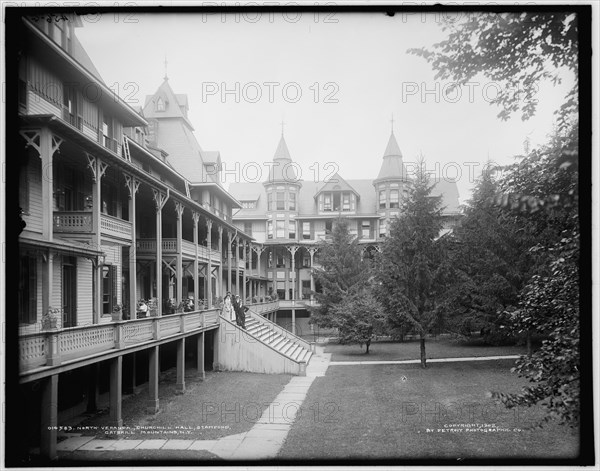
(489, 262)
(341, 275)
(411, 264)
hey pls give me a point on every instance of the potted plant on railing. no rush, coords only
(50, 318)
(117, 313)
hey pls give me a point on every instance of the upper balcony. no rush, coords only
(169, 247)
(80, 222)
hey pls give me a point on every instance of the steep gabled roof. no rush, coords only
(336, 182)
(173, 103)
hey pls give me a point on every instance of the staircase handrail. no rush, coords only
(280, 330)
(245, 332)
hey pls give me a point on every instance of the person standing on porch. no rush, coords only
(228, 311)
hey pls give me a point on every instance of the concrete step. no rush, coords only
(288, 348)
(279, 343)
(298, 354)
(270, 337)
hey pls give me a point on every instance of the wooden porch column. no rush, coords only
(220, 286)
(47, 281)
(200, 356)
(179, 269)
(312, 252)
(153, 370)
(293, 249)
(244, 274)
(180, 384)
(49, 417)
(196, 218)
(132, 186)
(159, 200)
(98, 168)
(229, 240)
(209, 301)
(116, 389)
(237, 266)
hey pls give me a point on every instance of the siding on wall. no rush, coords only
(57, 287)
(91, 133)
(38, 105)
(84, 292)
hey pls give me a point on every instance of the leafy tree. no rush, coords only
(341, 275)
(551, 303)
(540, 191)
(411, 265)
(358, 318)
(516, 50)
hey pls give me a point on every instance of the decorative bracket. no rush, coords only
(92, 165)
(132, 185)
(292, 249)
(33, 138)
(56, 142)
(209, 224)
(160, 198)
(258, 249)
(179, 209)
(195, 217)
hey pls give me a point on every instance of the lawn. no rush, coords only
(410, 350)
(225, 403)
(405, 412)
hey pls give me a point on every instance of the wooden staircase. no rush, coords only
(278, 338)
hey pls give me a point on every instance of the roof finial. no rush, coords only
(166, 63)
(282, 126)
(392, 121)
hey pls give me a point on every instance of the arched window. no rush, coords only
(160, 104)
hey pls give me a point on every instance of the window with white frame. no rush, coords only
(292, 201)
(306, 230)
(346, 202)
(280, 229)
(366, 229)
(394, 199)
(382, 199)
(269, 229)
(382, 228)
(280, 195)
(292, 229)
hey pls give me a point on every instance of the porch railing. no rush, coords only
(73, 221)
(169, 246)
(54, 347)
(113, 226)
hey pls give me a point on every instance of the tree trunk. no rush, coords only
(423, 358)
(529, 349)
(367, 344)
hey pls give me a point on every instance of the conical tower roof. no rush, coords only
(282, 171)
(392, 167)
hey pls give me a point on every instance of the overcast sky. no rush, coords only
(352, 71)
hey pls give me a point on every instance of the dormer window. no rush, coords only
(160, 104)
(248, 204)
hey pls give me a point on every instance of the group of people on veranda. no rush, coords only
(234, 310)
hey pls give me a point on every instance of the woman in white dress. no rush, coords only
(228, 312)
